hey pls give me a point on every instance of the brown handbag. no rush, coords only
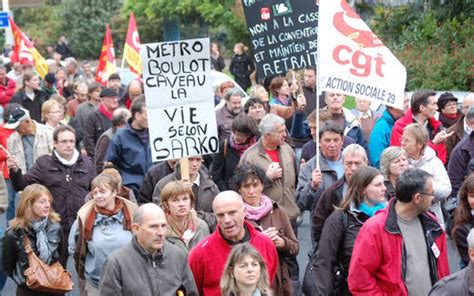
(43, 277)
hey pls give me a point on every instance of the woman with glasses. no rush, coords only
(52, 113)
(421, 156)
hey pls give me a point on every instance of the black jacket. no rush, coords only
(335, 249)
(94, 127)
(68, 184)
(33, 106)
(152, 177)
(331, 197)
(241, 66)
(224, 166)
(15, 259)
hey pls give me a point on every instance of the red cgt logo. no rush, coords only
(265, 13)
(361, 63)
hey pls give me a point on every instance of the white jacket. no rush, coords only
(431, 164)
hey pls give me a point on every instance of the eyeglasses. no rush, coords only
(67, 141)
(429, 194)
(450, 104)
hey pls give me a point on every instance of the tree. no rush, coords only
(196, 18)
(435, 44)
(83, 23)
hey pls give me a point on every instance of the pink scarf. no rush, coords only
(241, 148)
(257, 213)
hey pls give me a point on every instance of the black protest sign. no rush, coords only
(283, 34)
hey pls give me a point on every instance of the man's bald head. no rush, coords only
(467, 102)
(149, 226)
(145, 210)
(228, 207)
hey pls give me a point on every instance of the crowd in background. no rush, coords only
(384, 188)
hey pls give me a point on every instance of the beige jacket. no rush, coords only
(280, 190)
(43, 145)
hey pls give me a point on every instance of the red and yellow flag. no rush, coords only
(25, 53)
(106, 59)
(131, 51)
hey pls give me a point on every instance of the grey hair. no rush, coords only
(470, 113)
(269, 122)
(232, 92)
(389, 155)
(140, 212)
(470, 239)
(120, 116)
(71, 60)
(354, 149)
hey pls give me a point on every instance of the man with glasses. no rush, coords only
(353, 157)
(463, 127)
(65, 173)
(402, 248)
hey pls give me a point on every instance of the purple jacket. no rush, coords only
(461, 162)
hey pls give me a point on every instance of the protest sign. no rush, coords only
(283, 34)
(353, 60)
(179, 98)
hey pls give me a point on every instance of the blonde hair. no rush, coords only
(173, 189)
(47, 106)
(24, 213)
(105, 181)
(228, 283)
(418, 132)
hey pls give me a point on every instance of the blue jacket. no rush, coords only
(130, 156)
(380, 137)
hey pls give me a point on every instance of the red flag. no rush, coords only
(131, 51)
(25, 53)
(106, 59)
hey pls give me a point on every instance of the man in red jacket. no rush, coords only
(422, 111)
(402, 249)
(7, 87)
(208, 258)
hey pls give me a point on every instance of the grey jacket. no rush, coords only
(459, 283)
(305, 195)
(132, 271)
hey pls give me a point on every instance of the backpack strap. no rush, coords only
(225, 147)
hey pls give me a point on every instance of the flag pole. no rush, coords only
(123, 63)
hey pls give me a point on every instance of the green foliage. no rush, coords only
(197, 18)
(83, 22)
(41, 24)
(436, 48)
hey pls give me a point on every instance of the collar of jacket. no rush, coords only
(261, 149)
(204, 178)
(153, 260)
(428, 221)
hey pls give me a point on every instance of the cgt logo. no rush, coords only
(361, 63)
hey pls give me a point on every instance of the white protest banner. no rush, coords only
(179, 98)
(353, 60)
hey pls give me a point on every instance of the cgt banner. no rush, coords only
(179, 96)
(353, 60)
(283, 34)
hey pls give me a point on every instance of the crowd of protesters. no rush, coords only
(384, 190)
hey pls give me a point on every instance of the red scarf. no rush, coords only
(105, 112)
(90, 220)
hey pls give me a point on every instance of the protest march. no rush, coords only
(297, 162)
